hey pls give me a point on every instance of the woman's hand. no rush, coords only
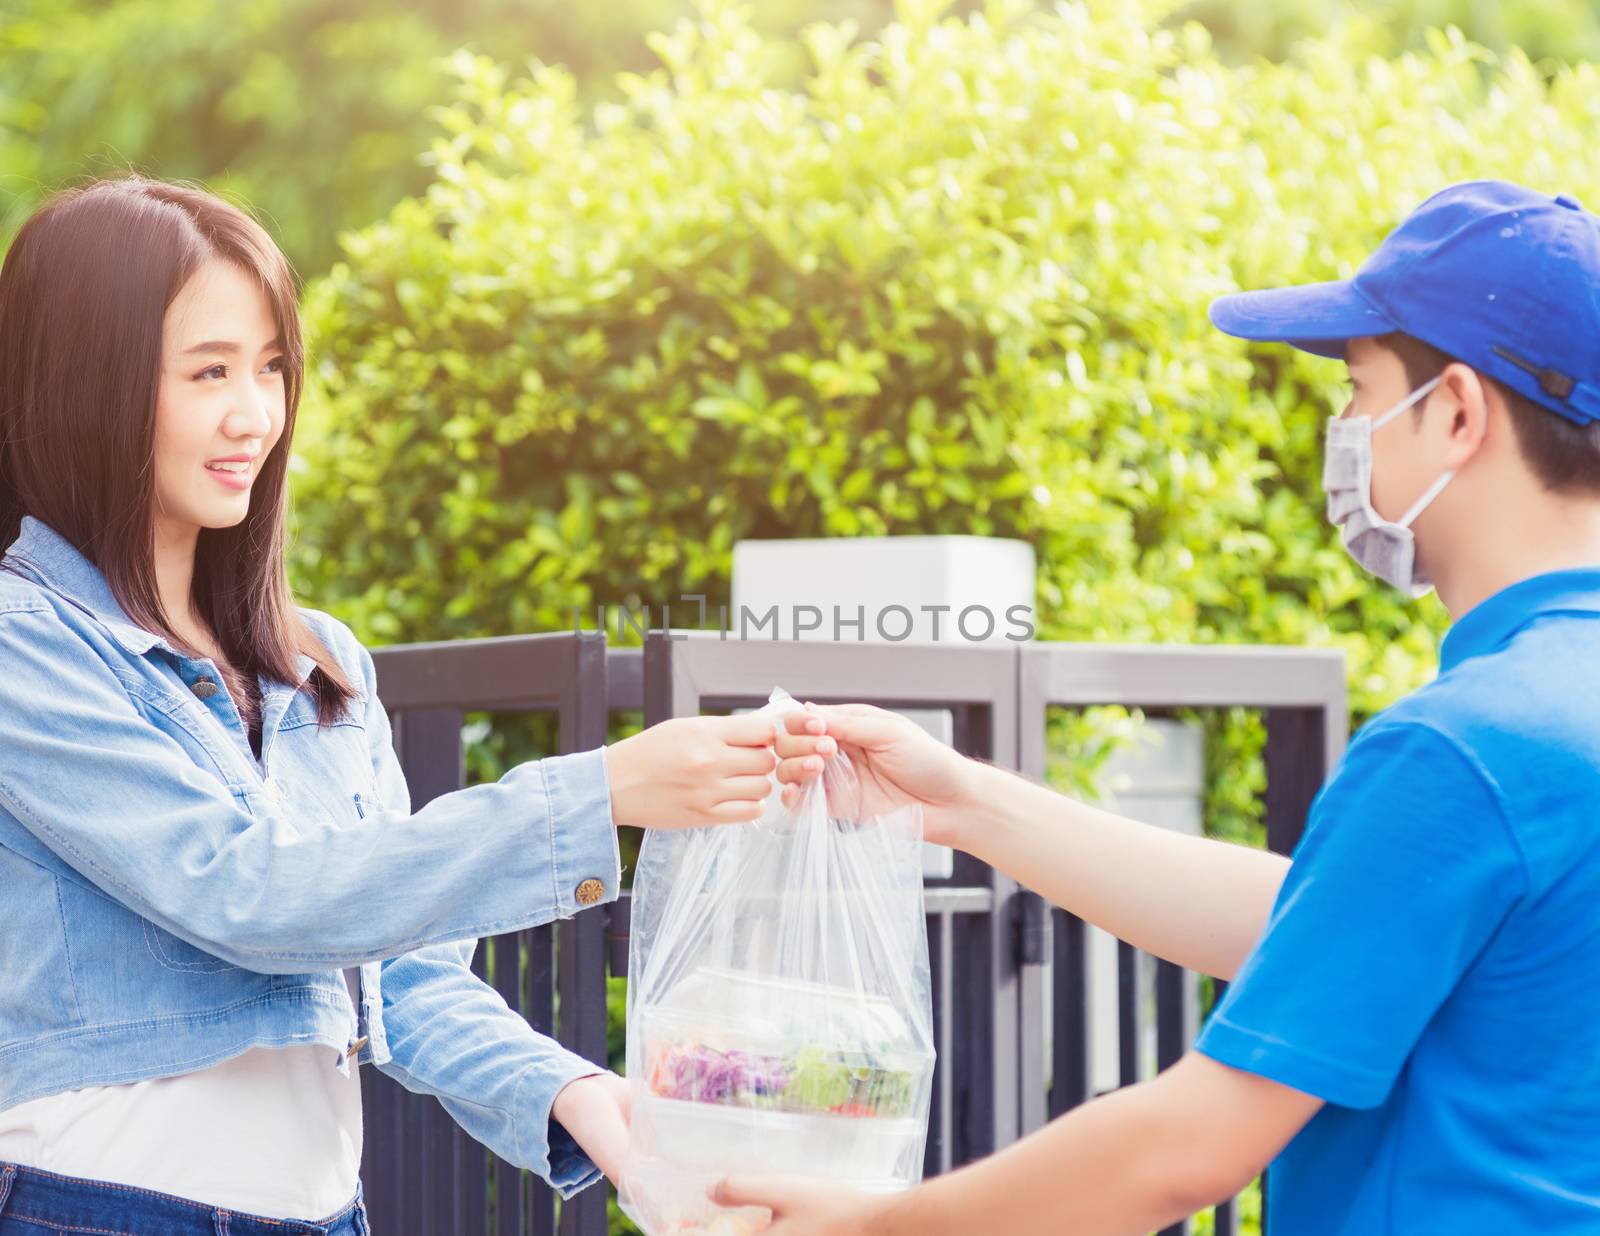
(896, 761)
(594, 1110)
(692, 771)
(803, 1207)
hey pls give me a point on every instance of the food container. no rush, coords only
(780, 1017)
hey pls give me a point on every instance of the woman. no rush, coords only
(202, 820)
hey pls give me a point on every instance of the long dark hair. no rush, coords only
(83, 293)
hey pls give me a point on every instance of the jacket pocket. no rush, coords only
(180, 955)
(40, 992)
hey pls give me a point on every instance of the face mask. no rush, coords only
(1386, 549)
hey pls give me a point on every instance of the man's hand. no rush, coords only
(692, 771)
(594, 1110)
(801, 1207)
(895, 760)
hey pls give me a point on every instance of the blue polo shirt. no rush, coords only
(1431, 968)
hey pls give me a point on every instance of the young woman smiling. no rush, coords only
(216, 895)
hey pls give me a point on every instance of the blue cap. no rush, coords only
(1496, 275)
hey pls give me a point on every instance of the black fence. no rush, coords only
(998, 953)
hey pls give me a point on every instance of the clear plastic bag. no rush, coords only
(780, 1018)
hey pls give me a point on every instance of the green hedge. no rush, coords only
(1555, 30)
(313, 111)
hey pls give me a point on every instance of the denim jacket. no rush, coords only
(167, 902)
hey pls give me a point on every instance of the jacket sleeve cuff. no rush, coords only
(583, 835)
(562, 1162)
(571, 1171)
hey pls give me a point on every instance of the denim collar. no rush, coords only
(55, 562)
(1488, 625)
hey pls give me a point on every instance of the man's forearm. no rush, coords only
(1120, 1164)
(1192, 900)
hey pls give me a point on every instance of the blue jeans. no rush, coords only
(39, 1203)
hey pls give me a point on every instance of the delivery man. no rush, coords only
(1411, 1035)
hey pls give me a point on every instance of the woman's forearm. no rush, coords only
(1192, 900)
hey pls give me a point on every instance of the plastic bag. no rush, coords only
(780, 1018)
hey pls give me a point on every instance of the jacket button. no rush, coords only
(590, 891)
(204, 688)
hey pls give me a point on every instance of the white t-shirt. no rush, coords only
(273, 1132)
